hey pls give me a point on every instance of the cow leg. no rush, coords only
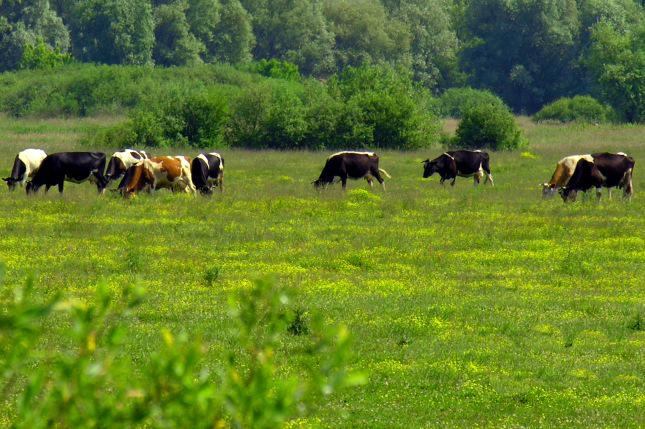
(598, 194)
(61, 185)
(477, 179)
(489, 178)
(609, 193)
(453, 181)
(370, 182)
(343, 180)
(442, 181)
(47, 188)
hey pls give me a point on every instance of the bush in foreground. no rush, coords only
(581, 108)
(86, 382)
(488, 127)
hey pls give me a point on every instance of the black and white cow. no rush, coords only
(25, 166)
(76, 167)
(607, 170)
(121, 161)
(207, 170)
(464, 163)
(353, 165)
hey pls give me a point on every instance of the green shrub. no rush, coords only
(196, 119)
(86, 381)
(277, 69)
(455, 101)
(488, 126)
(581, 108)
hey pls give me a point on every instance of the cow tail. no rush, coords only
(385, 173)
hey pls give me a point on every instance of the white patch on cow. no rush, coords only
(32, 158)
(221, 163)
(621, 153)
(203, 158)
(449, 156)
(351, 152)
(127, 159)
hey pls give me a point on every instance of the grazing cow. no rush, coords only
(76, 167)
(355, 165)
(464, 163)
(25, 166)
(170, 172)
(121, 161)
(606, 170)
(563, 172)
(206, 171)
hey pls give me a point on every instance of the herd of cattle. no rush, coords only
(139, 172)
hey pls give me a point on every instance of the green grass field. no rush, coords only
(485, 307)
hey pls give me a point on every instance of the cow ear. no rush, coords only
(7, 179)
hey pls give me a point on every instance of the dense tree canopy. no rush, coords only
(528, 52)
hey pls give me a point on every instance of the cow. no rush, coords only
(355, 165)
(25, 166)
(121, 161)
(76, 167)
(605, 170)
(170, 172)
(563, 172)
(206, 171)
(464, 163)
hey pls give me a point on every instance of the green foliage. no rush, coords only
(455, 101)
(488, 126)
(278, 69)
(233, 38)
(81, 90)
(525, 67)
(86, 382)
(113, 31)
(175, 45)
(195, 118)
(618, 63)
(383, 109)
(292, 30)
(41, 56)
(24, 24)
(364, 33)
(577, 109)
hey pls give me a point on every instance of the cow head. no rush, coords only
(11, 182)
(429, 168)
(115, 169)
(206, 191)
(31, 188)
(568, 194)
(548, 190)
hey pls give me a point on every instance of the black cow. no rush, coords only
(207, 170)
(75, 167)
(355, 165)
(607, 170)
(464, 163)
(121, 161)
(25, 166)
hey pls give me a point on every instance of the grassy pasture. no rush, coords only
(469, 307)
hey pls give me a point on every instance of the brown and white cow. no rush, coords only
(169, 172)
(563, 172)
(607, 170)
(353, 165)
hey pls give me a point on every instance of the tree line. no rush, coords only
(529, 52)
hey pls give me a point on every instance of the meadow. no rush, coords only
(468, 307)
